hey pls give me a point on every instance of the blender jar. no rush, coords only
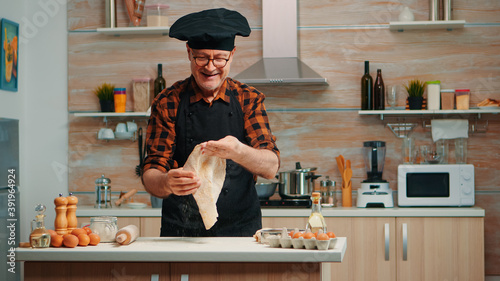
(374, 156)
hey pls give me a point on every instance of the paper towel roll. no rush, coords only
(449, 129)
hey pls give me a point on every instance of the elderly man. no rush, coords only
(226, 117)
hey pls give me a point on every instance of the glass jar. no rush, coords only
(141, 94)
(105, 227)
(156, 15)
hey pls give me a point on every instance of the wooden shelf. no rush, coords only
(110, 114)
(140, 30)
(427, 112)
(412, 25)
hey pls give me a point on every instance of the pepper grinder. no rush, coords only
(71, 212)
(61, 222)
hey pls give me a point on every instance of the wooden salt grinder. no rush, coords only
(61, 222)
(71, 212)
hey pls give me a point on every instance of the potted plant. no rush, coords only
(104, 93)
(415, 89)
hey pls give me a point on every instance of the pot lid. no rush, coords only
(102, 180)
(299, 169)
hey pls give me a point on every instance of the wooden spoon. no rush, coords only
(347, 177)
(340, 164)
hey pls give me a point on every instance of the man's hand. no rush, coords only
(260, 162)
(226, 148)
(175, 181)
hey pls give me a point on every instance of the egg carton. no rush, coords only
(276, 241)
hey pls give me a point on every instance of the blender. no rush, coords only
(374, 191)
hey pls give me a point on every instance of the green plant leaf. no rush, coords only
(105, 91)
(415, 88)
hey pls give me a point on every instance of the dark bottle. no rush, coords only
(379, 92)
(159, 81)
(367, 89)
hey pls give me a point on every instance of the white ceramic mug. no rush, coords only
(121, 128)
(131, 127)
(105, 134)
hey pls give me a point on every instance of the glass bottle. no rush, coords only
(316, 221)
(39, 237)
(379, 92)
(367, 89)
(159, 81)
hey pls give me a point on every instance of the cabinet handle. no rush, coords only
(155, 277)
(405, 241)
(387, 236)
(184, 277)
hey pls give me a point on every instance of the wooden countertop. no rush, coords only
(185, 249)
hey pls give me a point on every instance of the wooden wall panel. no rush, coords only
(313, 124)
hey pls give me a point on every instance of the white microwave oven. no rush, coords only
(436, 185)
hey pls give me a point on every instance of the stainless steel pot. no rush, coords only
(298, 183)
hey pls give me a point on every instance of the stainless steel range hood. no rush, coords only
(280, 63)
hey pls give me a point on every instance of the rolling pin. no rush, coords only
(125, 197)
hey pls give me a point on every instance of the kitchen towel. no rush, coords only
(449, 129)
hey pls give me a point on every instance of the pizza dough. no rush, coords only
(212, 172)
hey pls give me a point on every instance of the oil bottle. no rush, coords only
(316, 221)
(39, 237)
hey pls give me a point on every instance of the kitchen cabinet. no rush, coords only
(95, 271)
(440, 249)
(437, 248)
(105, 271)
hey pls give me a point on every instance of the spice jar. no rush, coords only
(462, 96)
(140, 88)
(105, 227)
(328, 192)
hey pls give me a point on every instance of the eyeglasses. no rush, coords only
(204, 61)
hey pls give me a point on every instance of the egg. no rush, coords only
(83, 240)
(70, 240)
(331, 234)
(323, 236)
(56, 240)
(298, 235)
(94, 239)
(78, 231)
(87, 229)
(309, 235)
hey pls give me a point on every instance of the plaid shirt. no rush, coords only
(161, 136)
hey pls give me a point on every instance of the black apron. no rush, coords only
(238, 204)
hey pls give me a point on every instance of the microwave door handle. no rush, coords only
(405, 241)
(387, 236)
